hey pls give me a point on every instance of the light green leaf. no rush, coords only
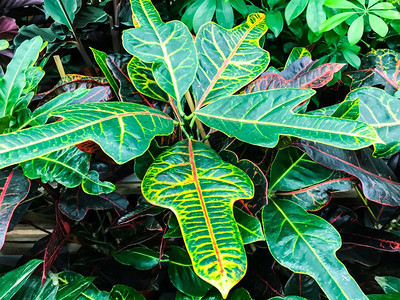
(334, 21)
(387, 14)
(204, 14)
(228, 59)
(123, 131)
(69, 167)
(295, 54)
(351, 57)
(4, 45)
(13, 82)
(382, 6)
(224, 14)
(168, 46)
(261, 118)
(12, 281)
(62, 11)
(315, 14)
(193, 181)
(341, 4)
(306, 244)
(101, 60)
(389, 284)
(356, 30)
(294, 8)
(378, 25)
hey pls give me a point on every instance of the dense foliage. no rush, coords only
(238, 133)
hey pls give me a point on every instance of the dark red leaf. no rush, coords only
(378, 182)
(297, 75)
(57, 240)
(75, 203)
(378, 67)
(14, 187)
(10, 4)
(8, 28)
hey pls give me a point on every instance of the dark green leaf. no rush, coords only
(389, 284)
(143, 162)
(123, 292)
(141, 258)
(72, 285)
(302, 285)
(274, 21)
(89, 14)
(249, 226)
(62, 11)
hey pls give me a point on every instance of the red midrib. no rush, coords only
(5, 187)
(203, 206)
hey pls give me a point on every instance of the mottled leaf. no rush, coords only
(192, 180)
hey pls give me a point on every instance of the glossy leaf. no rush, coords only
(69, 167)
(14, 188)
(140, 258)
(143, 162)
(297, 75)
(75, 203)
(89, 14)
(249, 226)
(382, 112)
(123, 292)
(302, 285)
(62, 11)
(34, 290)
(168, 46)
(228, 59)
(92, 292)
(101, 59)
(379, 184)
(72, 285)
(314, 197)
(307, 244)
(260, 118)
(389, 284)
(192, 180)
(182, 276)
(12, 281)
(378, 67)
(117, 127)
(236, 294)
(13, 82)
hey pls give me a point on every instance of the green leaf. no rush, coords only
(389, 284)
(34, 290)
(182, 276)
(12, 281)
(4, 45)
(249, 226)
(93, 293)
(382, 112)
(295, 54)
(204, 14)
(123, 131)
(72, 285)
(140, 258)
(260, 118)
(378, 25)
(13, 82)
(168, 46)
(341, 4)
(351, 57)
(315, 14)
(356, 30)
(294, 8)
(193, 181)
(387, 14)
(334, 21)
(142, 78)
(62, 11)
(123, 292)
(274, 21)
(101, 60)
(228, 59)
(307, 244)
(89, 14)
(382, 5)
(300, 284)
(143, 162)
(69, 167)
(395, 296)
(240, 6)
(224, 14)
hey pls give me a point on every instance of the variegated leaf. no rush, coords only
(123, 131)
(228, 59)
(168, 46)
(261, 118)
(193, 181)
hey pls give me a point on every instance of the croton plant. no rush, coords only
(212, 95)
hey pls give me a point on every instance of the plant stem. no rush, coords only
(59, 65)
(198, 123)
(366, 204)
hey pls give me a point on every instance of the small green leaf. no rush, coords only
(356, 30)
(334, 21)
(140, 258)
(4, 45)
(224, 14)
(274, 21)
(249, 226)
(351, 57)
(204, 14)
(294, 8)
(378, 25)
(12, 281)
(295, 54)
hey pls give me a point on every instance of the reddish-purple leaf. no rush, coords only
(14, 187)
(57, 240)
(11, 4)
(378, 67)
(378, 181)
(8, 28)
(318, 195)
(297, 75)
(75, 203)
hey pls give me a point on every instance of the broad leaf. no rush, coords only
(382, 112)
(69, 167)
(117, 127)
(261, 118)
(142, 163)
(297, 75)
(92, 292)
(378, 181)
(192, 180)
(307, 244)
(168, 46)
(14, 187)
(249, 226)
(75, 203)
(140, 258)
(34, 290)
(316, 196)
(228, 59)
(378, 67)
(12, 281)
(13, 82)
(302, 285)
(72, 285)
(123, 292)
(62, 11)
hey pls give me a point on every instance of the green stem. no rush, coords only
(365, 201)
